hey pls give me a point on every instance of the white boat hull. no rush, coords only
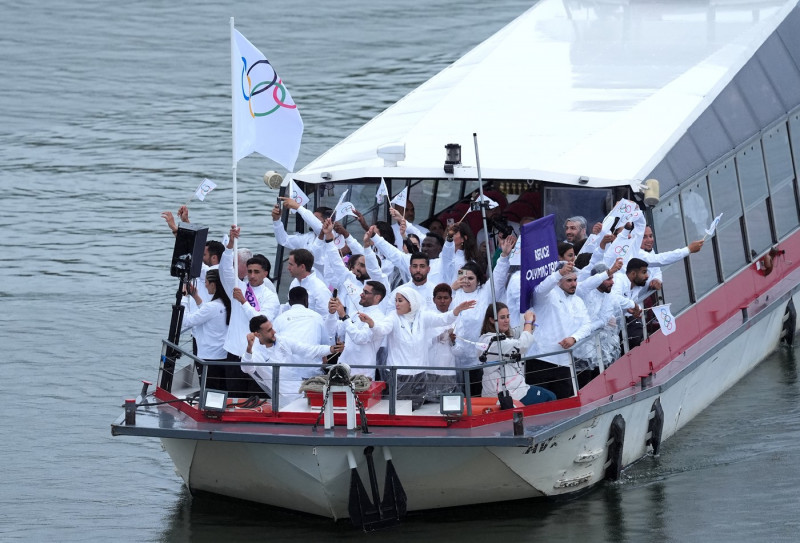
(316, 479)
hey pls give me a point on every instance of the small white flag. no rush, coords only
(401, 199)
(382, 193)
(343, 208)
(622, 247)
(491, 203)
(665, 319)
(352, 289)
(338, 241)
(713, 227)
(297, 195)
(205, 187)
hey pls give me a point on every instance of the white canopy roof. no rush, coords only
(571, 88)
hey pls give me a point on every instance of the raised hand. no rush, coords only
(463, 306)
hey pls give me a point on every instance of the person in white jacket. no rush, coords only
(248, 299)
(511, 376)
(405, 330)
(282, 352)
(563, 321)
(209, 323)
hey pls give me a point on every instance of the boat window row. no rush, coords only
(755, 189)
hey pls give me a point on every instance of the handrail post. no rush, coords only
(392, 390)
(276, 387)
(467, 391)
(599, 351)
(624, 330)
(203, 379)
(573, 374)
(644, 324)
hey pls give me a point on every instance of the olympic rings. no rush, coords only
(666, 318)
(271, 81)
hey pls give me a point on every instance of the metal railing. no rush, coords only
(461, 374)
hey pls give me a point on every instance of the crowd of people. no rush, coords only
(418, 303)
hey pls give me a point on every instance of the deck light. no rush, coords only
(451, 404)
(214, 400)
(453, 156)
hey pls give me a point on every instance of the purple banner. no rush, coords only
(539, 257)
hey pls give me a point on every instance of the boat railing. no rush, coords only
(195, 373)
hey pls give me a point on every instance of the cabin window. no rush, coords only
(669, 232)
(794, 139)
(753, 186)
(566, 202)
(780, 174)
(697, 216)
(726, 199)
(447, 192)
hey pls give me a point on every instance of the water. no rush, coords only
(113, 112)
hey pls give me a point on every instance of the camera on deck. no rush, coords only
(181, 266)
(187, 256)
(500, 226)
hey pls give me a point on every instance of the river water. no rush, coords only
(113, 112)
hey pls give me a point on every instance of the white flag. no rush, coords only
(297, 195)
(382, 193)
(491, 203)
(714, 223)
(401, 198)
(623, 246)
(205, 187)
(343, 208)
(338, 241)
(352, 289)
(265, 118)
(665, 319)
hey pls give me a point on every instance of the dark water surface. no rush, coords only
(113, 112)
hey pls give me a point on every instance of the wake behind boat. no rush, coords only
(575, 105)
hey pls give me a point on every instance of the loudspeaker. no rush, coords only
(187, 257)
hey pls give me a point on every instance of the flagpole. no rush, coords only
(484, 204)
(233, 160)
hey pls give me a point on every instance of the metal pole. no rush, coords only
(488, 251)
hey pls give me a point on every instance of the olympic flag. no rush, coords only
(665, 319)
(401, 198)
(265, 118)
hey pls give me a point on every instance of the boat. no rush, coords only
(577, 102)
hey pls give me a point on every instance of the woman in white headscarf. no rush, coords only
(405, 332)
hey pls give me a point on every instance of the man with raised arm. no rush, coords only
(279, 352)
(248, 299)
(362, 341)
(360, 268)
(563, 321)
(605, 309)
(656, 260)
(628, 285)
(406, 214)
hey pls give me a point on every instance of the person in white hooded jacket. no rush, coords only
(405, 332)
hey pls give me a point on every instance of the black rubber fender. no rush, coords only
(615, 444)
